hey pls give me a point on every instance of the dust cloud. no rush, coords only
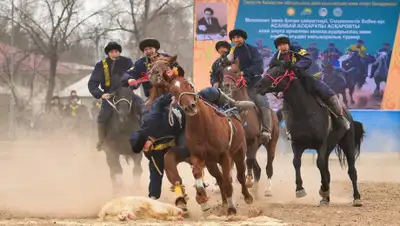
(63, 176)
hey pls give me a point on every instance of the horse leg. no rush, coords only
(349, 152)
(297, 154)
(197, 171)
(238, 158)
(171, 161)
(226, 164)
(257, 177)
(351, 92)
(323, 166)
(216, 173)
(378, 86)
(344, 97)
(271, 147)
(137, 167)
(250, 161)
(115, 172)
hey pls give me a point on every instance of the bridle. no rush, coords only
(288, 74)
(239, 82)
(114, 103)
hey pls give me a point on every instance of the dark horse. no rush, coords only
(234, 84)
(339, 80)
(357, 67)
(123, 123)
(312, 127)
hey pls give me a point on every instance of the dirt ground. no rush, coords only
(66, 181)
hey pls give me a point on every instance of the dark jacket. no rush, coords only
(297, 55)
(98, 78)
(250, 61)
(213, 28)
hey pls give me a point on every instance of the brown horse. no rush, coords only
(203, 125)
(234, 84)
(175, 155)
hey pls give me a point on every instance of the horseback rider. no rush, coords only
(142, 66)
(359, 47)
(252, 68)
(155, 138)
(107, 73)
(75, 109)
(223, 48)
(298, 59)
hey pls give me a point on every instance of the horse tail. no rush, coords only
(359, 134)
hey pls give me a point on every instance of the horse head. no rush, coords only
(232, 78)
(276, 79)
(184, 93)
(121, 102)
(160, 67)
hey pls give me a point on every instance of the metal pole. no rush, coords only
(12, 100)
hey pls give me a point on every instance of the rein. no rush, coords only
(239, 83)
(114, 103)
(288, 74)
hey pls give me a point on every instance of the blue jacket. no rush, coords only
(250, 61)
(299, 56)
(156, 124)
(98, 78)
(141, 66)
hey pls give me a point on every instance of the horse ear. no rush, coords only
(172, 60)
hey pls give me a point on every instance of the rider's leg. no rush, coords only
(138, 106)
(219, 98)
(287, 118)
(332, 101)
(156, 167)
(102, 120)
(266, 113)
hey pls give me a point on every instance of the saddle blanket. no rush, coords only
(138, 208)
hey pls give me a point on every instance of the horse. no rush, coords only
(355, 67)
(234, 84)
(124, 121)
(381, 71)
(203, 124)
(175, 155)
(312, 127)
(339, 81)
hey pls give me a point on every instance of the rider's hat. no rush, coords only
(224, 44)
(360, 41)
(149, 42)
(281, 39)
(111, 46)
(237, 32)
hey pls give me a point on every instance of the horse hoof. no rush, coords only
(357, 203)
(268, 193)
(301, 193)
(323, 202)
(205, 206)
(249, 200)
(232, 211)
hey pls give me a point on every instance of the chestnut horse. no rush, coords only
(203, 125)
(175, 155)
(234, 85)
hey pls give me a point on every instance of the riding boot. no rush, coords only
(225, 99)
(266, 120)
(101, 132)
(334, 105)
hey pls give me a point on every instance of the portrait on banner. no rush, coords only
(211, 21)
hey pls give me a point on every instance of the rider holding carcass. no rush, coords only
(297, 59)
(107, 74)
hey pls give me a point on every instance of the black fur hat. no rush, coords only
(237, 32)
(149, 42)
(111, 46)
(281, 39)
(222, 44)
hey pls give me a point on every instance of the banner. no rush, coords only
(354, 44)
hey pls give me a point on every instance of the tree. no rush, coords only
(140, 14)
(52, 25)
